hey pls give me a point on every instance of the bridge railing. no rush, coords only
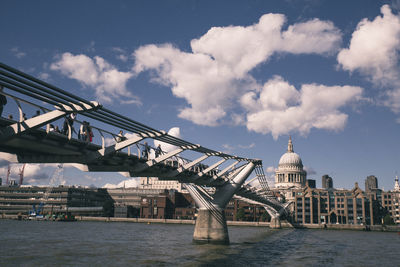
(44, 96)
(21, 108)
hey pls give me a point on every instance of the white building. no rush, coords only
(155, 183)
(396, 184)
(396, 201)
(290, 174)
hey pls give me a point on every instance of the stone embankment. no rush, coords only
(284, 224)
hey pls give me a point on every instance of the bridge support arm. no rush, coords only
(225, 193)
(185, 167)
(200, 174)
(35, 122)
(114, 148)
(155, 161)
(211, 223)
(277, 214)
(225, 170)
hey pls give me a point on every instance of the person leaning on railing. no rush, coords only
(68, 121)
(3, 100)
(120, 137)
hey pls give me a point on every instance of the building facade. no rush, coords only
(157, 184)
(79, 201)
(327, 182)
(371, 183)
(168, 205)
(390, 201)
(325, 206)
(290, 173)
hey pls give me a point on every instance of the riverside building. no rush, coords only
(391, 201)
(79, 201)
(156, 184)
(332, 206)
(328, 205)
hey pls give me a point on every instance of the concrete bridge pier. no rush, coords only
(275, 223)
(211, 224)
(211, 227)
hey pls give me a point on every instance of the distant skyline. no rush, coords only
(234, 76)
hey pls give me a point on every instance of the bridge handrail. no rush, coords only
(15, 98)
(22, 83)
(26, 84)
(102, 131)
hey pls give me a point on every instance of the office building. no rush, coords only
(327, 182)
(371, 183)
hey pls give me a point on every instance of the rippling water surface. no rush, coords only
(31, 243)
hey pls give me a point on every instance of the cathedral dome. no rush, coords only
(290, 158)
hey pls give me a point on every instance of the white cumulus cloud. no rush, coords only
(374, 52)
(215, 74)
(270, 169)
(280, 108)
(108, 82)
(175, 132)
(133, 182)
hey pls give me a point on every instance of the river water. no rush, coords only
(35, 243)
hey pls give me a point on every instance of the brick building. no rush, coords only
(239, 210)
(168, 205)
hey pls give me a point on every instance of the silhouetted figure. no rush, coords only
(81, 134)
(3, 100)
(87, 132)
(120, 136)
(146, 151)
(69, 120)
(158, 151)
(91, 135)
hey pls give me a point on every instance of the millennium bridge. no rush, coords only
(34, 140)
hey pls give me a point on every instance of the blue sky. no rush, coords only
(235, 76)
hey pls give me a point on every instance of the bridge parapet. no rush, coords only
(35, 140)
(37, 94)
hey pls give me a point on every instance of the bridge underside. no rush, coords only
(31, 141)
(38, 146)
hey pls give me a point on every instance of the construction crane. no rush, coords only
(8, 173)
(21, 175)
